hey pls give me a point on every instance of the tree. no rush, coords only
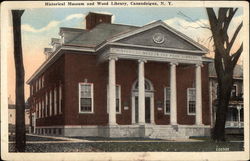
(225, 61)
(20, 102)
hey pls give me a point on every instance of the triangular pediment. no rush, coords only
(158, 34)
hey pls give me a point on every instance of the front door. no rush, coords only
(147, 109)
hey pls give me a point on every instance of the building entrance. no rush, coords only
(149, 103)
(147, 110)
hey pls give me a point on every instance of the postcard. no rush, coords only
(124, 80)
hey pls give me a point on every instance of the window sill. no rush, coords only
(191, 114)
(85, 112)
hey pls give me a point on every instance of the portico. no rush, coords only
(113, 55)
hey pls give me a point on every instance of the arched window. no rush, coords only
(148, 85)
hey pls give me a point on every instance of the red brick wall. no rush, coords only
(77, 68)
(185, 76)
(53, 76)
(73, 68)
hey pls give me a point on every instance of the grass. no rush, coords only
(131, 146)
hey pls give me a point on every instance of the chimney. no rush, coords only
(93, 19)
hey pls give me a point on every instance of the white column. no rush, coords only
(198, 101)
(133, 109)
(238, 109)
(141, 88)
(111, 86)
(173, 96)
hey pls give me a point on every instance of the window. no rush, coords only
(37, 110)
(42, 81)
(147, 85)
(60, 99)
(234, 91)
(46, 104)
(191, 101)
(117, 100)
(167, 100)
(55, 102)
(39, 106)
(232, 114)
(42, 104)
(50, 103)
(86, 98)
(37, 85)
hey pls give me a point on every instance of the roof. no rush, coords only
(238, 71)
(94, 39)
(97, 35)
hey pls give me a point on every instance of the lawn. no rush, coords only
(131, 145)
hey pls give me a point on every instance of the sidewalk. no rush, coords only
(75, 140)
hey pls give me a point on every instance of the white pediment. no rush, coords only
(159, 35)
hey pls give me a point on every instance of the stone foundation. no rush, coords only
(119, 131)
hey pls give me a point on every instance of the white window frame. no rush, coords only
(165, 94)
(60, 99)
(42, 112)
(46, 104)
(39, 107)
(236, 90)
(50, 103)
(92, 98)
(120, 100)
(188, 102)
(42, 81)
(55, 101)
(39, 83)
(119, 97)
(37, 86)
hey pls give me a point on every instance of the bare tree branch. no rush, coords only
(234, 37)
(197, 21)
(235, 57)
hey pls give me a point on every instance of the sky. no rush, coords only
(39, 25)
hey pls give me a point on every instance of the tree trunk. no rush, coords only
(225, 86)
(20, 103)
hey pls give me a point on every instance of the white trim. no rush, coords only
(236, 89)
(46, 104)
(60, 99)
(42, 104)
(188, 102)
(55, 101)
(40, 109)
(50, 103)
(79, 98)
(154, 47)
(165, 94)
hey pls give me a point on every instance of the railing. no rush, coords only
(234, 124)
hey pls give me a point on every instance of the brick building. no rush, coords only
(116, 80)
